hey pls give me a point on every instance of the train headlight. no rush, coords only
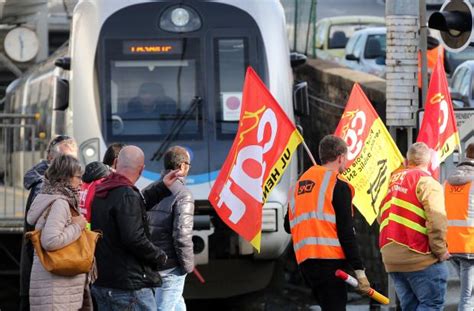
(89, 151)
(180, 19)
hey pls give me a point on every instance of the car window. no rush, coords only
(457, 79)
(375, 46)
(359, 47)
(338, 36)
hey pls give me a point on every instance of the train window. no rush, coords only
(232, 62)
(154, 96)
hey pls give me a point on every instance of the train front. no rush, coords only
(158, 74)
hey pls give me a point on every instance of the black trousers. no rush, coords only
(26, 263)
(329, 291)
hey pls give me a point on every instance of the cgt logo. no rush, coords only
(305, 186)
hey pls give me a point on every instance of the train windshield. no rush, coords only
(153, 93)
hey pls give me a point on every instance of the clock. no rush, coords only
(21, 44)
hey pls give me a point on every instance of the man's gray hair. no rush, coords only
(418, 154)
(174, 157)
(54, 147)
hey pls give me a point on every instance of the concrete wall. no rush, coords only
(329, 89)
(333, 84)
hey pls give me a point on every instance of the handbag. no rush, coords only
(72, 259)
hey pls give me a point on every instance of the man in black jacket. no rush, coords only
(171, 222)
(33, 181)
(127, 261)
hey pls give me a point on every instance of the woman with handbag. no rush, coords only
(55, 212)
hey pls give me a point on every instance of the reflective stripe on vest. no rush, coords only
(403, 218)
(459, 201)
(316, 241)
(313, 220)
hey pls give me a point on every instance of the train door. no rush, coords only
(232, 51)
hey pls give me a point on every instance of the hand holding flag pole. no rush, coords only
(352, 281)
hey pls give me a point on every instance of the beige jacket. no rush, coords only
(399, 258)
(49, 291)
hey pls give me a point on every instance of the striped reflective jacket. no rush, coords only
(312, 219)
(459, 200)
(403, 218)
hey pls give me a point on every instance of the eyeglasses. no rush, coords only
(188, 164)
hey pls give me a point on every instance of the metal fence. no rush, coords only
(301, 25)
(19, 151)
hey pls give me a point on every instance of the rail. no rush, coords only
(20, 149)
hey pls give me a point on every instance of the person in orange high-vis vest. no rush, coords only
(412, 237)
(459, 196)
(431, 57)
(322, 227)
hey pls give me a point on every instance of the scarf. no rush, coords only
(62, 188)
(114, 180)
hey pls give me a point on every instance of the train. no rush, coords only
(161, 73)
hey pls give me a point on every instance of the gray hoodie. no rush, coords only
(463, 174)
(33, 179)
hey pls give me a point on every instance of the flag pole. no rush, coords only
(309, 152)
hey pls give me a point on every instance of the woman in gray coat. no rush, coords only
(51, 212)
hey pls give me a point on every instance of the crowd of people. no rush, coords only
(146, 249)
(421, 227)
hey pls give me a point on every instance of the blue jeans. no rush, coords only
(117, 299)
(169, 297)
(422, 290)
(465, 269)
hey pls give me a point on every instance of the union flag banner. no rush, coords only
(438, 129)
(265, 142)
(372, 153)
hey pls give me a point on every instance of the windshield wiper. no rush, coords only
(176, 127)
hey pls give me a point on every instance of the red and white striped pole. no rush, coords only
(352, 281)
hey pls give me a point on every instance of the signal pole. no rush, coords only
(402, 20)
(423, 48)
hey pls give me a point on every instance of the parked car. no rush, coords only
(462, 85)
(332, 33)
(365, 51)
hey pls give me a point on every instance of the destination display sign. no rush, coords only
(143, 47)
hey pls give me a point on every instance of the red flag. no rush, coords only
(264, 144)
(438, 129)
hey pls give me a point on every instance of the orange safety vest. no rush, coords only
(459, 201)
(432, 58)
(403, 218)
(312, 219)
